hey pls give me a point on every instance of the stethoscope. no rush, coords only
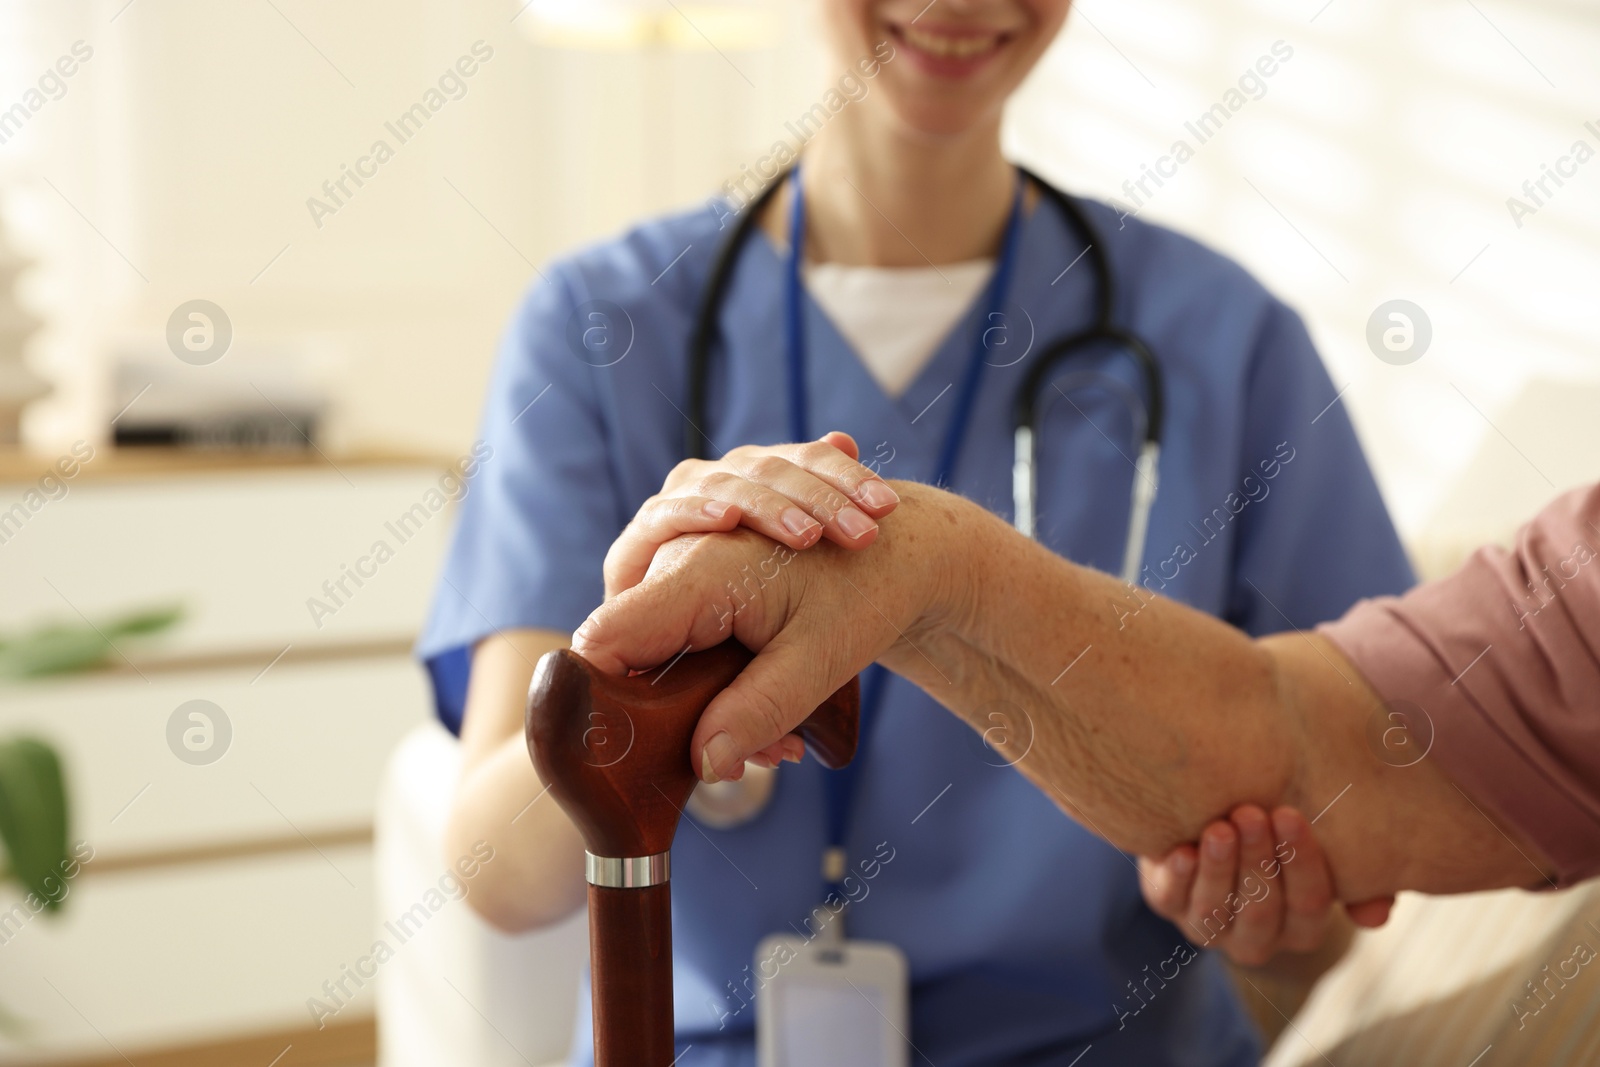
(1024, 479)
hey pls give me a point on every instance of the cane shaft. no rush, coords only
(630, 963)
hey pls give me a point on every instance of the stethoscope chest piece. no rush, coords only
(727, 804)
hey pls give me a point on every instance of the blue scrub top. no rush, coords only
(1026, 935)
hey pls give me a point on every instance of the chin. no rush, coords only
(920, 116)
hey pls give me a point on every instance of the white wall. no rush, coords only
(194, 137)
(1391, 141)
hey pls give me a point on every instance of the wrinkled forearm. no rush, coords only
(1145, 719)
(1141, 718)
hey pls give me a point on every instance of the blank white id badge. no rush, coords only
(831, 1003)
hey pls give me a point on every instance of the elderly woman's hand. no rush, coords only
(796, 494)
(817, 617)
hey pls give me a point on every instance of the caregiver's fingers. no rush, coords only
(1370, 913)
(1209, 912)
(795, 494)
(816, 475)
(790, 504)
(660, 520)
(1307, 883)
(790, 749)
(832, 458)
(1168, 881)
(1260, 918)
(843, 442)
(687, 471)
(837, 479)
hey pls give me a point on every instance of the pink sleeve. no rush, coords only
(1503, 660)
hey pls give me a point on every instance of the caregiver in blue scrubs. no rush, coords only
(1026, 936)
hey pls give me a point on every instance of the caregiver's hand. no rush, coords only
(1252, 887)
(795, 494)
(817, 617)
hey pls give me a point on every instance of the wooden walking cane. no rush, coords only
(614, 753)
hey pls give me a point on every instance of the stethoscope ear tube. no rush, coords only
(1145, 479)
(1024, 476)
(1022, 480)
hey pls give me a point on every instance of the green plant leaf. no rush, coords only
(60, 648)
(52, 650)
(33, 817)
(14, 1026)
(148, 621)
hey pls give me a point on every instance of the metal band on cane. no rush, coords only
(629, 872)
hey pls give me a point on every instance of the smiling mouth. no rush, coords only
(956, 45)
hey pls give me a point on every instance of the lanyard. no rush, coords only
(841, 784)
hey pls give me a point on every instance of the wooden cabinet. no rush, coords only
(223, 891)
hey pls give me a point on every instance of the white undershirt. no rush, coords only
(896, 317)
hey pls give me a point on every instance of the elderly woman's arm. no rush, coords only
(1148, 718)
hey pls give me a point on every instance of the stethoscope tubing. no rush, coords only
(1024, 475)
